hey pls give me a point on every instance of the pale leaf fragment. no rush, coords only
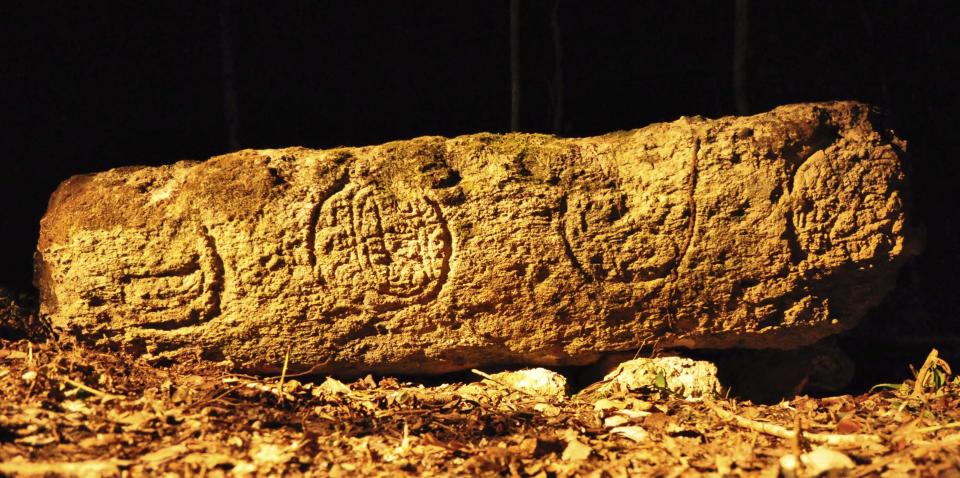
(576, 450)
(635, 433)
(331, 387)
(822, 460)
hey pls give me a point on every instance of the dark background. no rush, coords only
(88, 86)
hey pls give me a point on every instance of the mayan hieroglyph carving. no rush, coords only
(164, 281)
(371, 243)
(608, 230)
(435, 254)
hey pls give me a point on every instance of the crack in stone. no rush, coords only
(567, 248)
(691, 203)
(216, 285)
(797, 254)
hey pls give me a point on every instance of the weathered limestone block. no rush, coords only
(435, 254)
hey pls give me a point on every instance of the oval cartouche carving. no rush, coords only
(382, 250)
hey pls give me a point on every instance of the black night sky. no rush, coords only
(88, 86)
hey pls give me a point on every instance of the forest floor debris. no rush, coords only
(67, 410)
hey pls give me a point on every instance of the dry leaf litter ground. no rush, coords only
(71, 411)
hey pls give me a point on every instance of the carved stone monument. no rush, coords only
(433, 254)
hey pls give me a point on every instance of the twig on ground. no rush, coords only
(934, 428)
(90, 389)
(82, 468)
(505, 385)
(782, 432)
(797, 442)
(216, 397)
(283, 375)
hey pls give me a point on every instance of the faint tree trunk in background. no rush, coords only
(514, 65)
(877, 63)
(557, 71)
(741, 44)
(231, 111)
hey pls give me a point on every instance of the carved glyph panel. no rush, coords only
(165, 280)
(387, 251)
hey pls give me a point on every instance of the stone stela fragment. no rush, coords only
(433, 255)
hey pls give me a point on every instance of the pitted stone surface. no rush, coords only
(434, 254)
